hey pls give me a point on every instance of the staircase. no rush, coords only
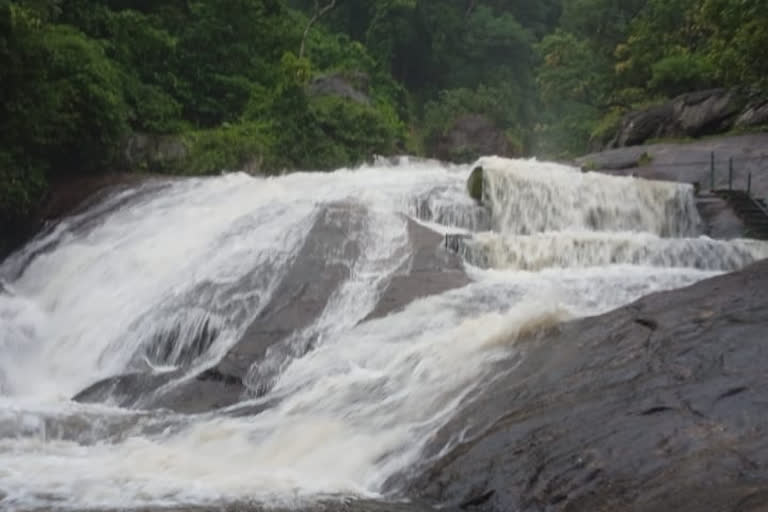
(753, 212)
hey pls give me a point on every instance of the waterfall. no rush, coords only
(172, 279)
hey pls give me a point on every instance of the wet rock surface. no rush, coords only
(691, 163)
(349, 505)
(430, 271)
(320, 267)
(63, 198)
(299, 299)
(659, 405)
(719, 218)
(692, 115)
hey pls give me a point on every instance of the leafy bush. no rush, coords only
(677, 74)
(241, 146)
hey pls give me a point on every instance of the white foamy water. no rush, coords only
(172, 275)
(595, 249)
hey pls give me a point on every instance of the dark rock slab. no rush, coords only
(660, 405)
(319, 268)
(719, 218)
(345, 505)
(638, 127)
(755, 114)
(321, 265)
(431, 270)
(124, 390)
(705, 112)
(690, 162)
(692, 114)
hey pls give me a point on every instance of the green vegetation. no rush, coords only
(265, 85)
(609, 57)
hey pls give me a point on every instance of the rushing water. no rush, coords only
(170, 275)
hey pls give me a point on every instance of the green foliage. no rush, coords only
(61, 98)
(677, 74)
(352, 132)
(613, 56)
(22, 186)
(607, 126)
(501, 103)
(242, 146)
(76, 76)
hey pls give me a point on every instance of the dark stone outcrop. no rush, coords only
(345, 505)
(475, 184)
(755, 114)
(319, 268)
(148, 151)
(469, 137)
(313, 275)
(691, 115)
(719, 218)
(637, 127)
(309, 281)
(351, 86)
(660, 405)
(430, 271)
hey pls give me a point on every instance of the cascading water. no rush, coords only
(166, 278)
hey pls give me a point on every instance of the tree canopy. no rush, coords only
(237, 79)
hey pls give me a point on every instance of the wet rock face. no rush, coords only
(659, 405)
(690, 115)
(720, 220)
(300, 298)
(430, 271)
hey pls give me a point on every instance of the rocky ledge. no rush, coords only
(299, 299)
(660, 405)
(691, 115)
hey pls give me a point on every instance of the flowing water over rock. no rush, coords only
(290, 340)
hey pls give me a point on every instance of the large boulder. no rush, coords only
(660, 405)
(471, 136)
(755, 114)
(706, 112)
(153, 152)
(351, 86)
(475, 184)
(690, 115)
(637, 127)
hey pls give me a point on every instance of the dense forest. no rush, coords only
(316, 84)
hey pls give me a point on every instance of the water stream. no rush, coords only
(169, 276)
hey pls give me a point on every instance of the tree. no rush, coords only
(319, 13)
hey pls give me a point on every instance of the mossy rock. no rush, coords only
(475, 184)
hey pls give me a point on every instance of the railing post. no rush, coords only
(730, 174)
(712, 171)
(749, 184)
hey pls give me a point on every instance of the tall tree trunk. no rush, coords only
(319, 13)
